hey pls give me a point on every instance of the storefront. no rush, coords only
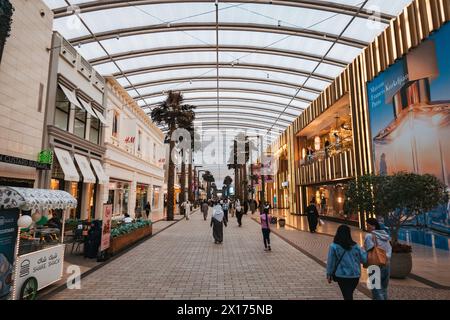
(118, 196)
(76, 176)
(156, 198)
(330, 200)
(141, 198)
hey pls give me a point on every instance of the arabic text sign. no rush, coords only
(45, 265)
(106, 227)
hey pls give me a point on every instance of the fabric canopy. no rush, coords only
(67, 165)
(71, 96)
(88, 108)
(85, 167)
(101, 175)
(35, 199)
(100, 117)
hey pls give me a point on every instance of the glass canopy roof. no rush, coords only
(252, 64)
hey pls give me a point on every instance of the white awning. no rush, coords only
(71, 96)
(100, 117)
(87, 106)
(67, 165)
(35, 199)
(85, 167)
(98, 168)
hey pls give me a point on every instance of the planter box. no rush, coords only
(401, 265)
(122, 242)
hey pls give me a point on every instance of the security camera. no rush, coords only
(42, 13)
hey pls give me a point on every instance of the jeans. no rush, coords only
(382, 293)
(347, 286)
(225, 214)
(266, 237)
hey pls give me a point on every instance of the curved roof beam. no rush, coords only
(224, 107)
(241, 125)
(222, 89)
(228, 48)
(212, 66)
(111, 34)
(214, 100)
(213, 118)
(224, 114)
(225, 79)
(307, 4)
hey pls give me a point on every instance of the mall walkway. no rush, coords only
(182, 262)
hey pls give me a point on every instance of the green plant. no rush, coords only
(126, 228)
(398, 198)
(6, 12)
(173, 114)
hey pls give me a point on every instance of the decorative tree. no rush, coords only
(398, 198)
(173, 114)
(209, 178)
(6, 12)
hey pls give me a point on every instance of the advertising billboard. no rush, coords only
(409, 108)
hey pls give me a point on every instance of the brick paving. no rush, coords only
(182, 262)
(317, 245)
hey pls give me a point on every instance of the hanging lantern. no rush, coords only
(24, 221)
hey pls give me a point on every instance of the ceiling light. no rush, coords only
(118, 37)
(279, 23)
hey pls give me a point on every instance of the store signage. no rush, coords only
(106, 227)
(45, 265)
(8, 237)
(130, 139)
(24, 162)
(45, 157)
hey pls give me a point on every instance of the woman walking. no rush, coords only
(205, 208)
(379, 238)
(217, 222)
(265, 227)
(313, 216)
(148, 209)
(345, 257)
(239, 212)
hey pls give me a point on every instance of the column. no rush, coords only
(84, 209)
(132, 197)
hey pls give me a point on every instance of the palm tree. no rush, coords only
(173, 114)
(209, 178)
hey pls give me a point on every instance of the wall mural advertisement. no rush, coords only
(8, 238)
(409, 107)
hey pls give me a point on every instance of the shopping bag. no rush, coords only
(321, 222)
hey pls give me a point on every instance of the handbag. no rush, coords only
(333, 275)
(377, 256)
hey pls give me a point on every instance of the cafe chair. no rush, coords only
(77, 240)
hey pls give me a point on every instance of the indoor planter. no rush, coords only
(126, 235)
(397, 199)
(282, 222)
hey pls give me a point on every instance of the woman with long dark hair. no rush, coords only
(345, 257)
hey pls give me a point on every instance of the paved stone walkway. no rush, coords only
(182, 262)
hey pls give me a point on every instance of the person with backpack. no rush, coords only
(344, 261)
(313, 216)
(379, 252)
(239, 212)
(265, 226)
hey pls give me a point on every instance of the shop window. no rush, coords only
(94, 133)
(115, 125)
(79, 128)
(62, 110)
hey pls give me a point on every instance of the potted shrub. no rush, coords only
(397, 199)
